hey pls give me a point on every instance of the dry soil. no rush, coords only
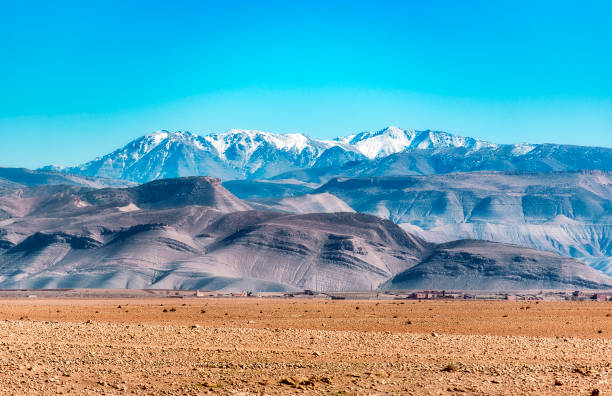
(285, 346)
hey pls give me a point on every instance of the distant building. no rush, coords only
(600, 297)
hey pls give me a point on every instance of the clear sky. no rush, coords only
(79, 79)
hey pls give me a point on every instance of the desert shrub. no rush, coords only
(450, 368)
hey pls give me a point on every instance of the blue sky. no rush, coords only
(79, 79)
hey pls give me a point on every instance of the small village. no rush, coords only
(455, 295)
(541, 295)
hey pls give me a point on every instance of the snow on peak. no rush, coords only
(140, 147)
(250, 140)
(243, 153)
(378, 144)
(157, 137)
(239, 145)
(382, 143)
(393, 140)
(290, 141)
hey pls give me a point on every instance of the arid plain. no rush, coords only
(308, 346)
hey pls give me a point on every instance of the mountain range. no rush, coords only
(242, 154)
(193, 233)
(569, 213)
(479, 214)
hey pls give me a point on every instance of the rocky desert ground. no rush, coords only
(272, 346)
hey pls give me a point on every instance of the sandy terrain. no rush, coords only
(284, 346)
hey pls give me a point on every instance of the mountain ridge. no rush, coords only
(243, 154)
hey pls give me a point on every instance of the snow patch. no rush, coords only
(522, 149)
(81, 204)
(128, 208)
(157, 137)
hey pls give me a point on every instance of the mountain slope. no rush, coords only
(307, 203)
(54, 201)
(518, 158)
(20, 177)
(469, 264)
(258, 189)
(569, 213)
(192, 233)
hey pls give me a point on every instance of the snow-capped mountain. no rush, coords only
(242, 154)
(235, 154)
